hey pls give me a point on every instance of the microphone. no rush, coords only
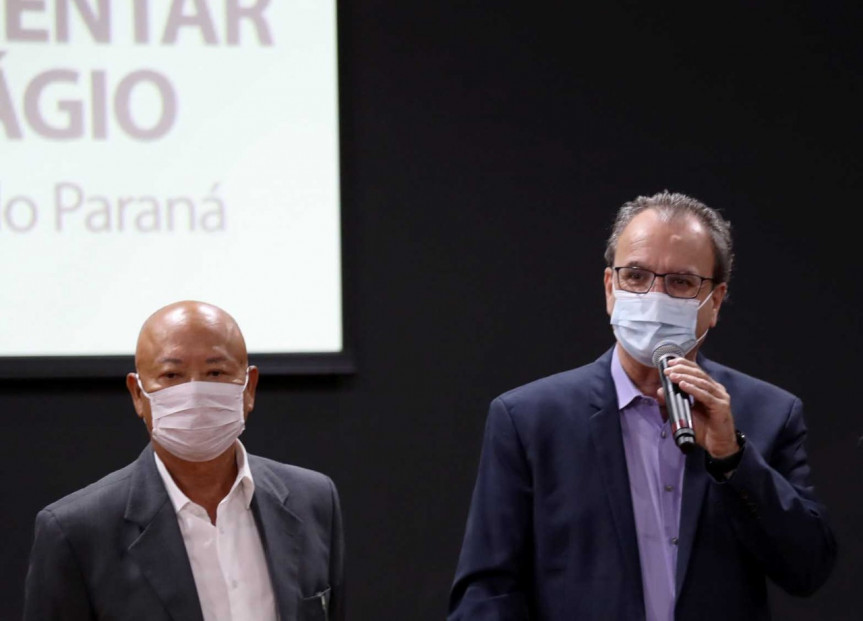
(676, 401)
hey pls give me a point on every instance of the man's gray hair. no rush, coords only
(670, 205)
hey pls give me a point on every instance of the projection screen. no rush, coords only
(159, 150)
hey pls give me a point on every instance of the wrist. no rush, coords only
(723, 443)
(723, 465)
(724, 450)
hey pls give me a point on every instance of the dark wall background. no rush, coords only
(486, 147)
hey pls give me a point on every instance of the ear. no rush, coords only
(608, 281)
(135, 391)
(717, 295)
(251, 387)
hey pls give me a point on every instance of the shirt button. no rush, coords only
(668, 488)
(663, 434)
(234, 584)
(674, 540)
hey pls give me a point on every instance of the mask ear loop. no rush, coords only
(141, 386)
(705, 300)
(699, 339)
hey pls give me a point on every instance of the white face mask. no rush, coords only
(644, 321)
(197, 421)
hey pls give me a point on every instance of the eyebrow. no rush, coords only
(211, 360)
(641, 266)
(170, 360)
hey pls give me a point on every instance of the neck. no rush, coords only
(205, 483)
(646, 379)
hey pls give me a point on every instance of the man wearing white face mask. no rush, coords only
(585, 507)
(196, 528)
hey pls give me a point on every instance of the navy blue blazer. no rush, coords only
(551, 533)
(114, 551)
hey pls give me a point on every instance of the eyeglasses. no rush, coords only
(638, 280)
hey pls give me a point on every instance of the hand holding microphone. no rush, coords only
(676, 401)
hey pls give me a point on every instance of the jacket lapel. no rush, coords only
(156, 544)
(695, 483)
(279, 529)
(605, 430)
(607, 439)
(695, 480)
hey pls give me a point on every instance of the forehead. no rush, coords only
(184, 338)
(679, 244)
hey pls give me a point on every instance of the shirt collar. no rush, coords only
(626, 390)
(244, 480)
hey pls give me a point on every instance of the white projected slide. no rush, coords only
(158, 150)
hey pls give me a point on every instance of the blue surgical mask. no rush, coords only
(644, 321)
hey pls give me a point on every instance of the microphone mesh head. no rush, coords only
(667, 349)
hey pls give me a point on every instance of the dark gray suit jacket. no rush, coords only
(113, 550)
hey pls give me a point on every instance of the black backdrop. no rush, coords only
(486, 147)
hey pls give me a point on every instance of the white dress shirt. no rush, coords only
(227, 557)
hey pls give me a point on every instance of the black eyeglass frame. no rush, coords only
(665, 284)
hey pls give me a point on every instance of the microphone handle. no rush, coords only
(677, 406)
